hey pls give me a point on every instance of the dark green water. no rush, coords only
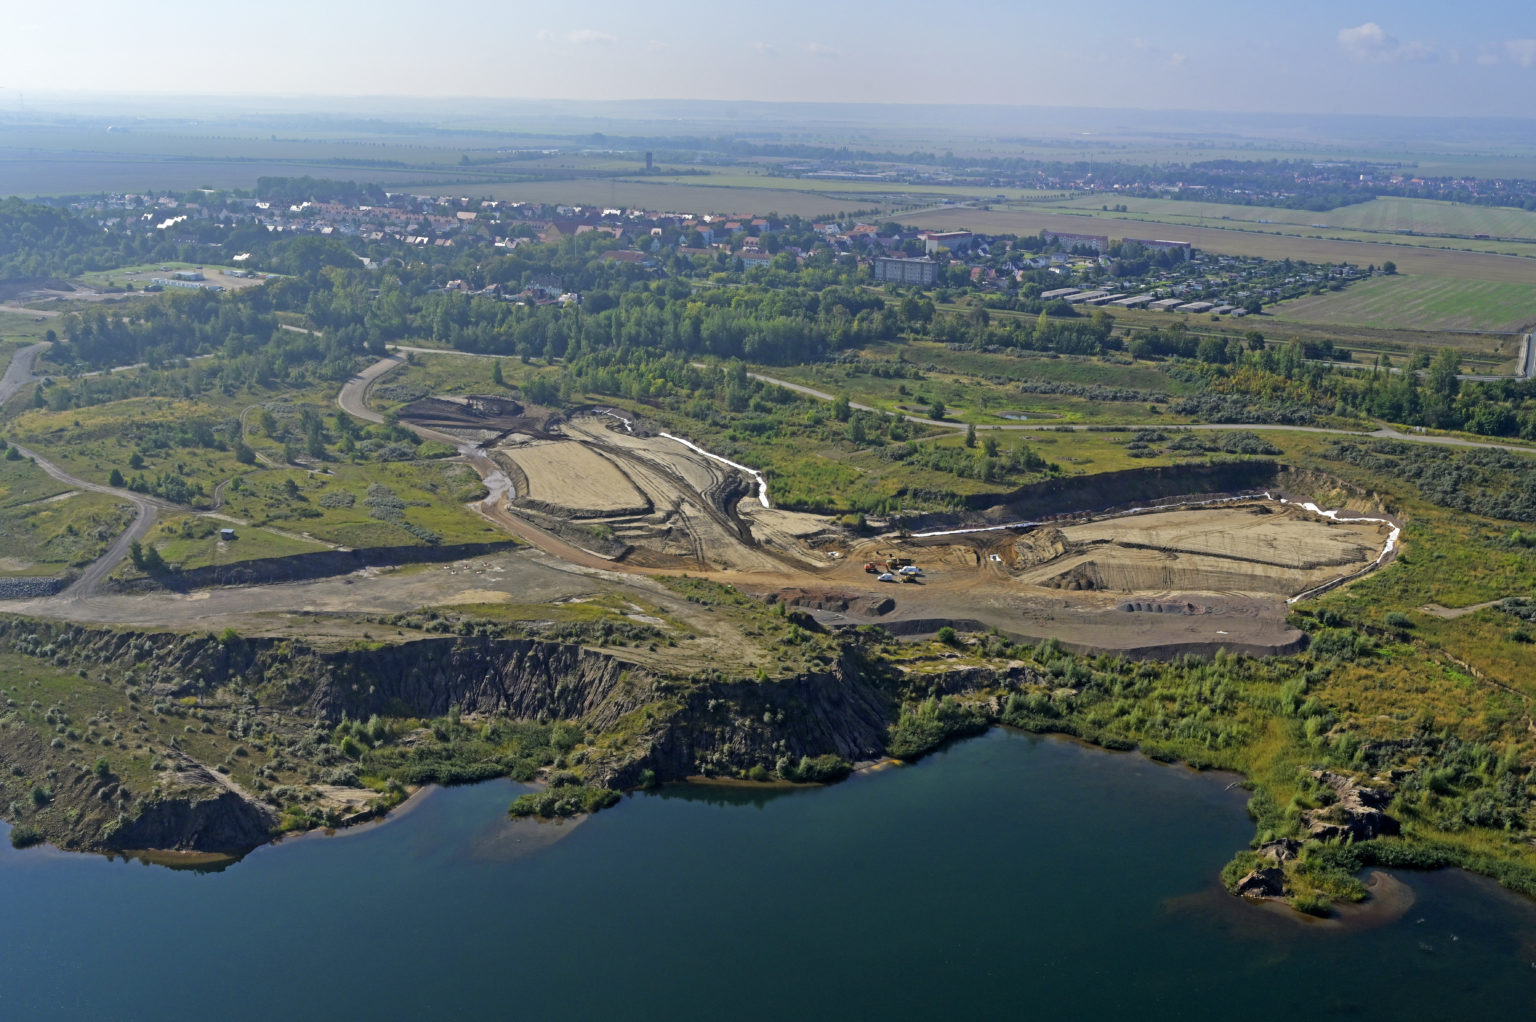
(1009, 877)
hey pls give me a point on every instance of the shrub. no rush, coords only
(818, 770)
(564, 800)
(24, 835)
(1312, 904)
(932, 723)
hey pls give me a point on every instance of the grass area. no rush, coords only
(967, 398)
(447, 374)
(187, 542)
(1037, 367)
(362, 486)
(46, 528)
(17, 330)
(1484, 353)
(404, 503)
(1420, 303)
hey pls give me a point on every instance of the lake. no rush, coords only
(1009, 876)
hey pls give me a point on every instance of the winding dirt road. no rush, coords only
(144, 520)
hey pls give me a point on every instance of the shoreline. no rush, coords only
(1389, 897)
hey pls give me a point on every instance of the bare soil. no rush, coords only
(606, 502)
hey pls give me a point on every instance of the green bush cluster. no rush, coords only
(815, 769)
(922, 728)
(563, 800)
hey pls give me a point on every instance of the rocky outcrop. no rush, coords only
(836, 601)
(210, 820)
(1264, 882)
(1357, 812)
(520, 678)
(729, 725)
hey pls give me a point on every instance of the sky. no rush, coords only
(1296, 56)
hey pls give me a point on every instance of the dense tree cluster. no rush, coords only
(1493, 483)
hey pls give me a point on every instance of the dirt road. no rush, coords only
(352, 398)
(143, 521)
(19, 373)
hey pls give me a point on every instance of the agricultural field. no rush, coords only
(30, 176)
(743, 177)
(1420, 303)
(693, 197)
(1412, 259)
(1386, 215)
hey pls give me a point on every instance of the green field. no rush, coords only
(1420, 303)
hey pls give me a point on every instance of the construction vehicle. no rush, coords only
(871, 567)
(897, 562)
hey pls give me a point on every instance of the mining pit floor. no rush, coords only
(607, 504)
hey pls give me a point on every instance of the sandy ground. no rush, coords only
(575, 478)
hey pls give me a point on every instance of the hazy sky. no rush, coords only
(1400, 57)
